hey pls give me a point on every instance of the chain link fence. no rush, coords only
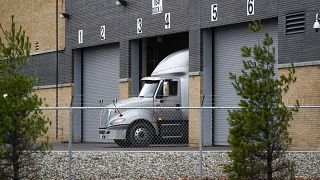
(158, 142)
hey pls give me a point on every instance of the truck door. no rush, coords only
(169, 120)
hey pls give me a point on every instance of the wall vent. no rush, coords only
(295, 23)
(37, 46)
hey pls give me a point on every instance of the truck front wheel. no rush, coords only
(141, 135)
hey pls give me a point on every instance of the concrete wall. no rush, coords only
(305, 126)
(48, 94)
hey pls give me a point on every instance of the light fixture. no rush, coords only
(64, 15)
(121, 3)
(316, 25)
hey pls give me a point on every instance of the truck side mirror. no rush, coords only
(166, 89)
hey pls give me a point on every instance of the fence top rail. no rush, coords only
(194, 107)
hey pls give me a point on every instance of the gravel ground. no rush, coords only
(153, 165)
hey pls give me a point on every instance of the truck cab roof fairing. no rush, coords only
(151, 79)
(177, 62)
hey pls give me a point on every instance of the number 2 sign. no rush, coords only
(250, 7)
(103, 32)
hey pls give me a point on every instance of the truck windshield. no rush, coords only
(148, 89)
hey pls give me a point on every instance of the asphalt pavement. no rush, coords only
(115, 147)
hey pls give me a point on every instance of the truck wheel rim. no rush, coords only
(140, 134)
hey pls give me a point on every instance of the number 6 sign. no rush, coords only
(250, 7)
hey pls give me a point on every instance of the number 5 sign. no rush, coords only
(214, 12)
(250, 7)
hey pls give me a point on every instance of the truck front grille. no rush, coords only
(108, 117)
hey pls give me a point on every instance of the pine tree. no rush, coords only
(259, 135)
(21, 120)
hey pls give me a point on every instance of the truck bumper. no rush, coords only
(111, 133)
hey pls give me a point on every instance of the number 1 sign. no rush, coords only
(80, 36)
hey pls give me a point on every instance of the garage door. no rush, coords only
(100, 81)
(227, 58)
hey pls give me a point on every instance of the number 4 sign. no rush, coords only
(167, 20)
(250, 7)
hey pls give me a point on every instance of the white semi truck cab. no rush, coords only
(167, 87)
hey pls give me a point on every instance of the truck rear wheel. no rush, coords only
(122, 142)
(141, 135)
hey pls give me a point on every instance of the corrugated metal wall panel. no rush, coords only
(227, 58)
(100, 81)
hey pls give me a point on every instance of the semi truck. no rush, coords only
(139, 127)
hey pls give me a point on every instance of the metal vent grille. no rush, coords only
(37, 45)
(295, 23)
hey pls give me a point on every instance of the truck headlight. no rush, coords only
(117, 121)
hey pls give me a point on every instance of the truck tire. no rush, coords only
(141, 135)
(122, 142)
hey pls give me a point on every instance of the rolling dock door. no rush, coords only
(100, 81)
(228, 41)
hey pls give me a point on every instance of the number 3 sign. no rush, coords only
(250, 7)
(139, 26)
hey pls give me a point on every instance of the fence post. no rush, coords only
(200, 145)
(200, 142)
(70, 144)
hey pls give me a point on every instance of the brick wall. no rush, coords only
(49, 94)
(125, 89)
(305, 126)
(37, 18)
(298, 47)
(195, 94)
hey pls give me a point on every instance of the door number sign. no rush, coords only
(250, 7)
(167, 20)
(103, 32)
(139, 26)
(80, 36)
(214, 12)
(156, 6)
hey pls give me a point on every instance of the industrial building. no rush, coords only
(107, 46)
